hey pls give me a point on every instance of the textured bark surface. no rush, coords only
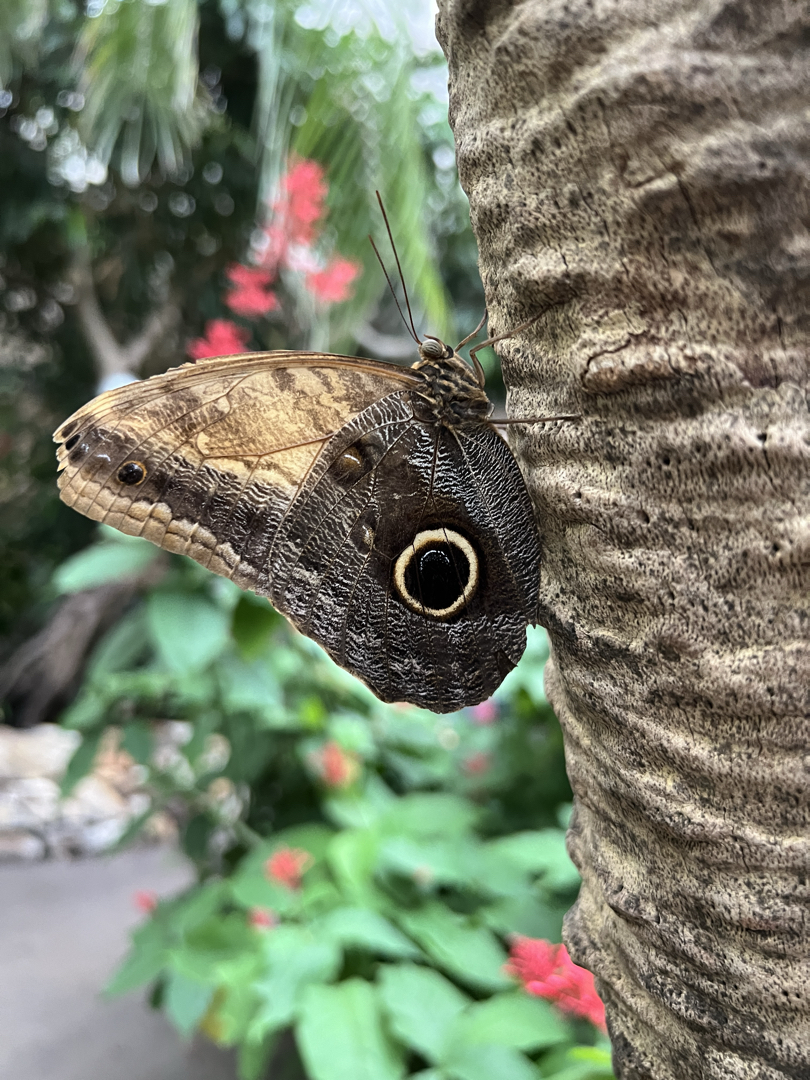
(644, 168)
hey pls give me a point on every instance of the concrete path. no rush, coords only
(63, 928)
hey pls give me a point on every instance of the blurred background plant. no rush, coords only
(184, 179)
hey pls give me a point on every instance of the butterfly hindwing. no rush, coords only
(386, 479)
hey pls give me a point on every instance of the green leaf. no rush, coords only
(144, 962)
(138, 740)
(438, 862)
(251, 687)
(195, 907)
(188, 631)
(468, 952)
(528, 912)
(422, 1006)
(253, 1058)
(352, 856)
(341, 1037)
(528, 675)
(360, 928)
(185, 1001)
(541, 852)
(579, 1063)
(487, 1062)
(81, 761)
(295, 959)
(428, 814)
(360, 808)
(252, 624)
(88, 710)
(461, 861)
(125, 644)
(512, 1019)
(103, 563)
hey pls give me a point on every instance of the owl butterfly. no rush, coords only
(375, 506)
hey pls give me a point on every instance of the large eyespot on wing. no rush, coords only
(206, 458)
(437, 574)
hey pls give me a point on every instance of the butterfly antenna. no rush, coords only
(393, 293)
(399, 268)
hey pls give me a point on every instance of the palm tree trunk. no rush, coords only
(641, 170)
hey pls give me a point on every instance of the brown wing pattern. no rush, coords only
(223, 445)
(334, 552)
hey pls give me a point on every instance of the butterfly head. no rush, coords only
(455, 391)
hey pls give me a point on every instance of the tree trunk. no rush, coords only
(641, 170)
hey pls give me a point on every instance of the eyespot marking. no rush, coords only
(351, 459)
(132, 473)
(356, 460)
(437, 573)
(71, 442)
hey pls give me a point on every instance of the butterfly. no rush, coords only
(376, 506)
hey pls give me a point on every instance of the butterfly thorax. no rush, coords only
(452, 390)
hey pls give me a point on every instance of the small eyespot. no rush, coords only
(437, 573)
(350, 461)
(132, 473)
(356, 460)
(71, 442)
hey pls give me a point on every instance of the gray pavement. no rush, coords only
(63, 928)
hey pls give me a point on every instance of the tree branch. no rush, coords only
(113, 358)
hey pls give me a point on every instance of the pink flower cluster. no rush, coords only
(145, 900)
(287, 865)
(546, 970)
(336, 767)
(288, 242)
(262, 918)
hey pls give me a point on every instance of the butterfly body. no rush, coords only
(375, 506)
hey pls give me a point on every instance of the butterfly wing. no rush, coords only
(206, 459)
(384, 481)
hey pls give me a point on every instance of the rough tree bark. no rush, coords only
(644, 168)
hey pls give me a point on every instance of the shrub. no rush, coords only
(362, 867)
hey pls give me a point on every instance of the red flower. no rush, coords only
(305, 191)
(476, 764)
(262, 919)
(145, 900)
(547, 971)
(287, 865)
(332, 284)
(222, 337)
(485, 713)
(251, 296)
(336, 767)
(274, 250)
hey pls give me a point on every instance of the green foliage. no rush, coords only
(384, 952)
(139, 72)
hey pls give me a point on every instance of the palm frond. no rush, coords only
(347, 101)
(138, 70)
(21, 24)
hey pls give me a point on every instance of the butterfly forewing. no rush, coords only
(223, 446)
(335, 554)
